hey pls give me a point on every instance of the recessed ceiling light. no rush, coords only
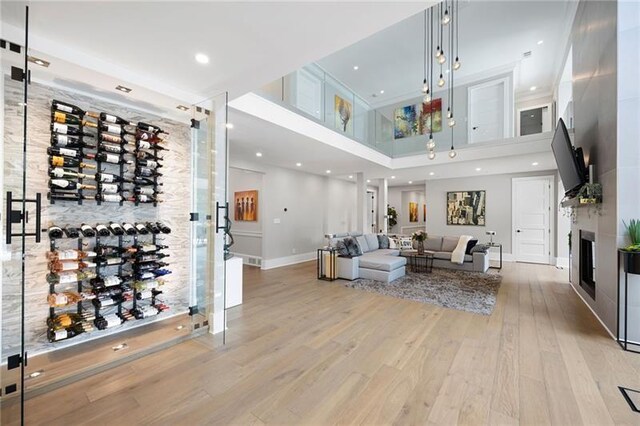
(36, 374)
(38, 61)
(540, 42)
(532, 88)
(328, 171)
(355, 68)
(382, 92)
(478, 169)
(201, 58)
(182, 108)
(393, 177)
(410, 182)
(532, 116)
(180, 327)
(368, 180)
(258, 154)
(535, 163)
(229, 125)
(298, 164)
(350, 176)
(431, 173)
(123, 89)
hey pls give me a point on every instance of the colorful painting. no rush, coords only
(246, 206)
(415, 120)
(413, 212)
(466, 208)
(342, 110)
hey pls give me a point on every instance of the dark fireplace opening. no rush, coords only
(588, 262)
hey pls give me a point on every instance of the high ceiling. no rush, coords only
(494, 35)
(153, 44)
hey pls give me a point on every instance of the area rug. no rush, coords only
(466, 291)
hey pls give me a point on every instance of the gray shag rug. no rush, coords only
(466, 291)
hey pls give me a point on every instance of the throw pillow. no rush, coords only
(342, 248)
(372, 242)
(353, 247)
(383, 241)
(471, 244)
(362, 242)
(393, 244)
(480, 248)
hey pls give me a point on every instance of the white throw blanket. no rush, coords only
(458, 254)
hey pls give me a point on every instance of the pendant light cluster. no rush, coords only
(443, 19)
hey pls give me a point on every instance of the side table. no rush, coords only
(631, 265)
(498, 245)
(327, 261)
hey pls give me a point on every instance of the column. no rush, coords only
(383, 200)
(361, 203)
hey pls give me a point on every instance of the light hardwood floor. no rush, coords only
(301, 351)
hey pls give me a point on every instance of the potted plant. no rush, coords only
(631, 253)
(392, 216)
(419, 237)
(590, 193)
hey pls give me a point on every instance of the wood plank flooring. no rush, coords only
(301, 351)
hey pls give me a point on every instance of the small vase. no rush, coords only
(420, 247)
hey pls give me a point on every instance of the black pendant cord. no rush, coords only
(431, 73)
(24, 208)
(457, 7)
(424, 69)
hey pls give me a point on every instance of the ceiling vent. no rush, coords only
(527, 54)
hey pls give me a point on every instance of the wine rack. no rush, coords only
(109, 290)
(126, 155)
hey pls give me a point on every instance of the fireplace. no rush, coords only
(588, 262)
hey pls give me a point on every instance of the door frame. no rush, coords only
(509, 106)
(551, 180)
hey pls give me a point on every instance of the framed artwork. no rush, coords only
(415, 120)
(342, 110)
(466, 208)
(246, 206)
(413, 212)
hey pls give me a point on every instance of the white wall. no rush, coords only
(315, 205)
(498, 207)
(247, 235)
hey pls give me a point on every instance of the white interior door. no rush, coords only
(487, 107)
(371, 212)
(531, 207)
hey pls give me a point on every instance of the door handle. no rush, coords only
(517, 230)
(18, 216)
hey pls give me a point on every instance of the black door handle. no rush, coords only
(517, 230)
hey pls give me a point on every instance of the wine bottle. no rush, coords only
(153, 228)
(69, 277)
(67, 152)
(107, 137)
(55, 232)
(109, 261)
(68, 184)
(109, 188)
(141, 228)
(141, 181)
(147, 172)
(59, 172)
(101, 283)
(114, 128)
(71, 232)
(161, 272)
(66, 107)
(68, 130)
(109, 178)
(151, 266)
(70, 254)
(145, 155)
(140, 198)
(116, 229)
(146, 190)
(141, 144)
(104, 301)
(68, 333)
(68, 141)
(102, 230)
(109, 198)
(61, 117)
(148, 284)
(109, 118)
(67, 265)
(129, 229)
(151, 164)
(107, 321)
(58, 161)
(163, 228)
(105, 250)
(109, 148)
(147, 248)
(149, 128)
(111, 158)
(151, 257)
(61, 196)
(147, 294)
(58, 300)
(87, 231)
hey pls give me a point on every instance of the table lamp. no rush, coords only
(491, 234)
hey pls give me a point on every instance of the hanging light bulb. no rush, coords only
(431, 145)
(457, 64)
(441, 58)
(441, 81)
(452, 153)
(452, 121)
(446, 18)
(427, 98)
(425, 86)
(437, 51)
(449, 112)
(432, 155)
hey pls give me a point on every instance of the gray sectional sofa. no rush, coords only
(386, 264)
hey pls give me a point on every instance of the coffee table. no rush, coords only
(419, 262)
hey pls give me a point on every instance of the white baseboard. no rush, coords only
(288, 260)
(506, 257)
(249, 259)
(562, 262)
(593, 312)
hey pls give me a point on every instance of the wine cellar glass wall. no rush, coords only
(115, 252)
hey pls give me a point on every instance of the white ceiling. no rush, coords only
(152, 44)
(493, 37)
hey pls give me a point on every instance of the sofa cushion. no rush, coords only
(383, 242)
(383, 252)
(362, 242)
(355, 234)
(353, 247)
(433, 243)
(382, 263)
(445, 255)
(342, 248)
(471, 244)
(372, 242)
(450, 243)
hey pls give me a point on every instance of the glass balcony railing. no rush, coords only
(313, 93)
